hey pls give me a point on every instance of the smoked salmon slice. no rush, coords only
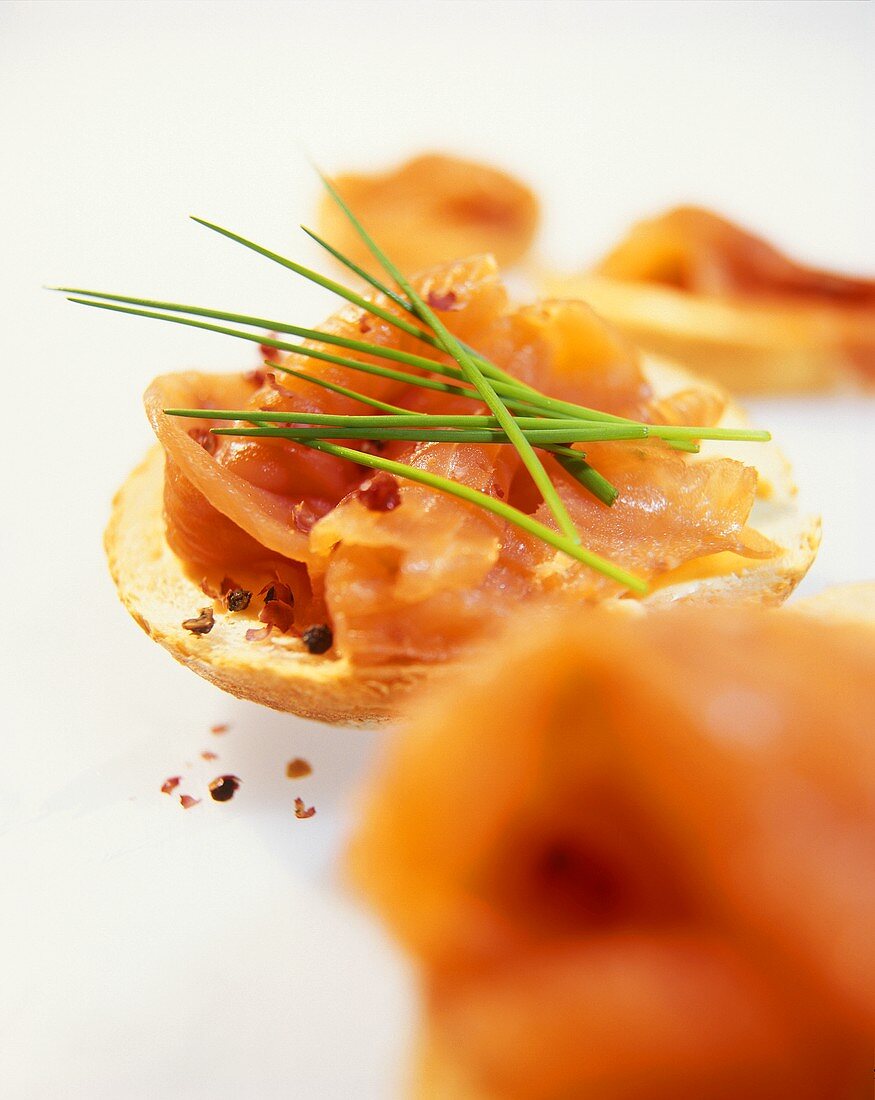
(634, 857)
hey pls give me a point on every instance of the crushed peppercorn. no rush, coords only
(303, 811)
(223, 787)
(237, 599)
(318, 639)
(279, 606)
(205, 438)
(443, 302)
(169, 785)
(277, 590)
(278, 613)
(298, 768)
(204, 622)
(379, 493)
(187, 801)
(269, 352)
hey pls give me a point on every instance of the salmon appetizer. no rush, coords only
(634, 859)
(401, 571)
(325, 532)
(434, 209)
(697, 288)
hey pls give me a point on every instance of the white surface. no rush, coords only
(144, 950)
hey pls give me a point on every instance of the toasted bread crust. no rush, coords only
(277, 672)
(160, 594)
(750, 349)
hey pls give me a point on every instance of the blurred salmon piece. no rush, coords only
(696, 250)
(634, 858)
(433, 209)
(693, 286)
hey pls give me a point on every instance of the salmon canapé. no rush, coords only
(696, 287)
(401, 571)
(634, 859)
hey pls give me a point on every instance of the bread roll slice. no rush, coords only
(699, 289)
(844, 603)
(750, 349)
(160, 593)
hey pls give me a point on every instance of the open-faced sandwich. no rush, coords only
(329, 531)
(692, 286)
(634, 858)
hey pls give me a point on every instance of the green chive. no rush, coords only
(360, 271)
(323, 281)
(421, 435)
(407, 419)
(678, 436)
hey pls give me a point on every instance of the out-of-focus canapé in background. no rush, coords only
(633, 859)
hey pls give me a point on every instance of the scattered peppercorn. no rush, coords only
(442, 302)
(277, 590)
(222, 789)
(170, 784)
(297, 768)
(279, 614)
(379, 493)
(269, 352)
(318, 639)
(204, 622)
(237, 599)
(303, 811)
(186, 801)
(205, 438)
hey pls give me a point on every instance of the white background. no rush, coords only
(145, 951)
